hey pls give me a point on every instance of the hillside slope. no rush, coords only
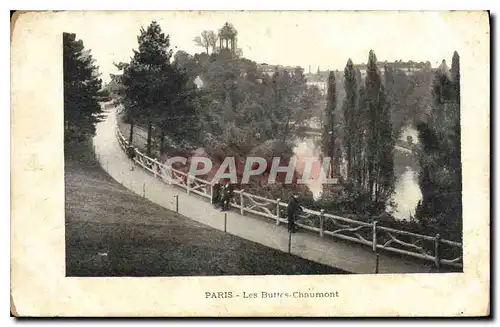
(112, 232)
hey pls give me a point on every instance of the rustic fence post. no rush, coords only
(177, 203)
(170, 175)
(321, 222)
(164, 174)
(155, 167)
(376, 263)
(374, 237)
(211, 188)
(188, 182)
(437, 260)
(143, 189)
(242, 205)
(278, 211)
(225, 221)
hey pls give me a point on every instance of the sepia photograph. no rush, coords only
(254, 156)
(226, 157)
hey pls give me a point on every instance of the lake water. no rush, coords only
(407, 191)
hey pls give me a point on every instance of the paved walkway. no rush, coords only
(350, 257)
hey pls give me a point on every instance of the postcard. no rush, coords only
(250, 163)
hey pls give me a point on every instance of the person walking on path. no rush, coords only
(131, 155)
(293, 208)
(227, 195)
(217, 196)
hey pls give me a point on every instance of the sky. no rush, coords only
(324, 39)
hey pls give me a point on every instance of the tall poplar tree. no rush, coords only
(329, 133)
(351, 122)
(380, 142)
(360, 153)
(455, 76)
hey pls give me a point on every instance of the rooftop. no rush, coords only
(398, 64)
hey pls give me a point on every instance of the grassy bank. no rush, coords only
(112, 232)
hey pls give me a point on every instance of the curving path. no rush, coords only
(350, 257)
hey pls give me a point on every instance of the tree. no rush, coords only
(417, 99)
(212, 40)
(206, 40)
(330, 125)
(180, 106)
(455, 75)
(124, 95)
(455, 121)
(351, 123)
(115, 87)
(379, 138)
(148, 76)
(292, 103)
(201, 43)
(241, 108)
(360, 163)
(186, 64)
(396, 84)
(440, 158)
(82, 90)
(228, 110)
(367, 139)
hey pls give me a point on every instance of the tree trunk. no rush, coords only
(337, 162)
(348, 161)
(351, 168)
(370, 179)
(285, 132)
(376, 185)
(150, 131)
(131, 135)
(332, 152)
(359, 168)
(162, 140)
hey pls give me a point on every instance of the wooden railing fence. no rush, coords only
(429, 248)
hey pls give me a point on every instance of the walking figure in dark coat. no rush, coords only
(217, 196)
(227, 195)
(293, 209)
(131, 156)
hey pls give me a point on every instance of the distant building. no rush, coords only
(271, 69)
(409, 67)
(266, 69)
(320, 79)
